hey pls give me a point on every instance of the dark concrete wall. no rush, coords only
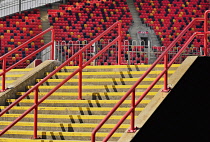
(184, 115)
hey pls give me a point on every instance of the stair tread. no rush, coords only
(87, 93)
(111, 73)
(66, 116)
(59, 133)
(76, 101)
(14, 75)
(118, 66)
(41, 140)
(41, 124)
(100, 79)
(38, 140)
(72, 108)
(19, 70)
(96, 86)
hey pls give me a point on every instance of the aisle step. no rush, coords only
(78, 101)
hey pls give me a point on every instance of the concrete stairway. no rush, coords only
(139, 26)
(64, 118)
(47, 37)
(13, 75)
(45, 25)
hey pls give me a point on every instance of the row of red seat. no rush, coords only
(79, 21)
(17, 29)
(169, 17)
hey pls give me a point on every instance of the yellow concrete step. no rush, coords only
(114, 117)
(71, 108)
(14, 75)
(19, 70)
(64, 119)
(84, 125)
(78, 101)
(88, 93)
(100, 79)
(36, 140)
(9, 81)
(59, 133)
(112, 73)
(97, 87)
(119, 66)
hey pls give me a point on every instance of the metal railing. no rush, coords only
(132, 52)
(4, 58)
(164, 73)
(79, 71)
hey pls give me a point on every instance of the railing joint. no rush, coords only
(133, 131)
(166, 90)
(4, 90)
(32, 137)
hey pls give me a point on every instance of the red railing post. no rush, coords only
(205, 33)
(35, 88)
(132, 128)
(35, 112)
(165, 86)
(119, 42)
(4, 75)
(53, 45)
(80, 78)
(163, 73)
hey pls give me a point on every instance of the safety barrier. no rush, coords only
(164, 73)
(3, 58)
(79, 55)
(132, 53)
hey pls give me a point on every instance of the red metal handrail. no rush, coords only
(4, 57)
(134, 104)
(79, 70)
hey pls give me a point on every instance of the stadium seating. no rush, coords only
(168, 18)
(15, 30)
(83, 21)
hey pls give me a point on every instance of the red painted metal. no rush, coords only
(119, 42)
(4, 57)
(52, 53)
(3, 76)
(35, 112)
(165, 86)
(132, 121)
(80, 78)
(205, 32)
(82, 66)
(167, 66)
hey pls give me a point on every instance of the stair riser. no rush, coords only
(113, 89)
(113, 82)
(64, 120)
(63, 129)
(137, 68)
(7, 84)
(107, 76)
(17, 72)
(89, 97)
(78, 105)
(83, 138)
(12, 78)
(67, 112)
